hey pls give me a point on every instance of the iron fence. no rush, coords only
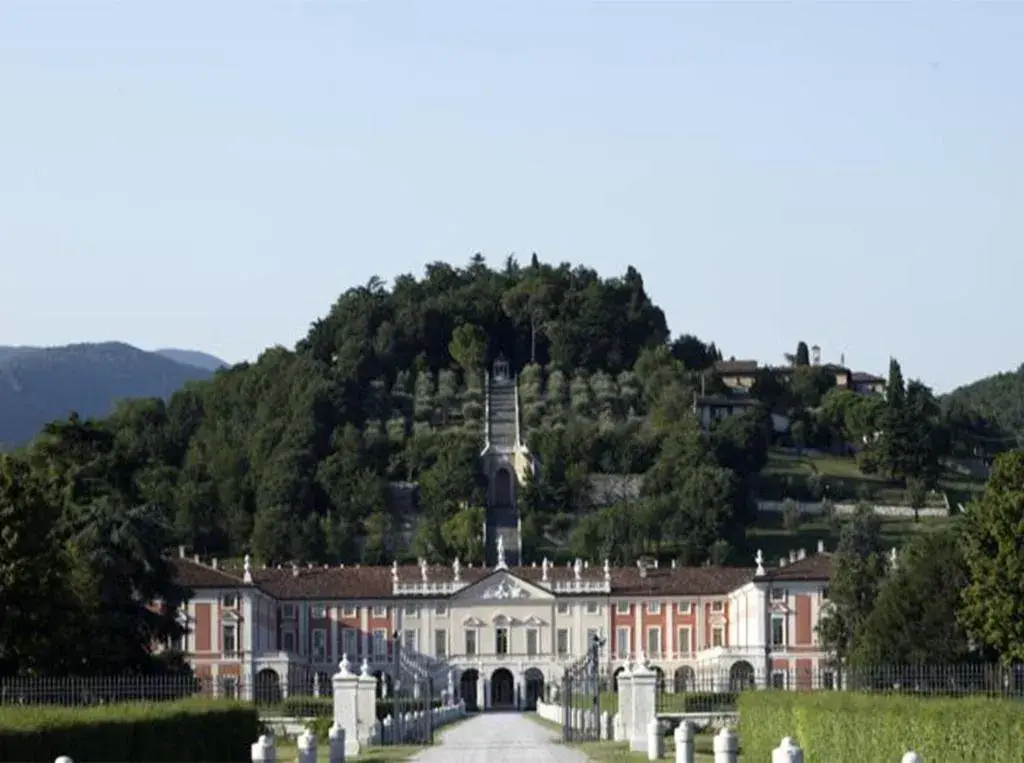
(712, 692)
(582, 687)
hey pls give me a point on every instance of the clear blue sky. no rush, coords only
(213, 174)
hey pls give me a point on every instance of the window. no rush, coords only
(622, 607)
(653, 641)
(409, 640)
(531, 642)
(319, 645)
(228, 643)
(654, 607)
(501, 640)
(717, 637)
(288, 611)
(230, 600)
(778, 680)
(380, 644)
(349, 610)
(778, 594)
(563, 608)
(562, 642)
(593, 608)
(441, 610)
(440, 643)
(778, 630)
(350, 642)
(470, 642)
(412, 610)
(685, 643)
(718, 606)
(684, 607)
(288, 641)
(380, 610)
(828, 680)
(228, 687)
(318, 611)
(622, 642)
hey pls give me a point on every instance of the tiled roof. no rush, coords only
(814, 567)
(736, 366)
(197, 575)
(863, 377)
(375, 582)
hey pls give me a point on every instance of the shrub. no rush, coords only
(848, 727)
(187, 730)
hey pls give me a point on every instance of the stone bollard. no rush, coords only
(263, 750)
(307, 747)
(787, 752)
(63, 759)
(618, 728)
(726, 746)
(910, 757)
(606, 727)
(655, 741)
(684, 742)
(336, 745)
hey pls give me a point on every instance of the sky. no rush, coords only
(214, 174)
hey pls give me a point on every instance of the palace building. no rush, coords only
(503, 633)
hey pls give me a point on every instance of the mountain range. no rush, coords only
(40, 384)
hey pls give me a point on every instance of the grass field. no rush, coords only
(287, 752)
(842, 480)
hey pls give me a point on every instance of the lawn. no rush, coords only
(842, 480)
(287, 752)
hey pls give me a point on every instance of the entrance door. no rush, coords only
(467, 689)
(534, 688)
(503, 690)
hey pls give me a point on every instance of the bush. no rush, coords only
(847, 727)
(187, 730)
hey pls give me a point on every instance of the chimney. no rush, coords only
(801, 554)
(181, 552)
(213, 562)
(821, 547)
(792, 556)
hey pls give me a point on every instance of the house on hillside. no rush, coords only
(737, 375)
(867, 384)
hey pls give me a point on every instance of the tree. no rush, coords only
(914, 619)
(469, 347)
(993, 546)
(858, 571)
(803, 355)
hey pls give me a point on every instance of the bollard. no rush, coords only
(654, 740)
(263, 750)
(684, 742)
(307, 747)
(787, 752)
(336, 745)
(911, 757)
(726, 746)
(606, 727)
(618, 729)
(63, 759)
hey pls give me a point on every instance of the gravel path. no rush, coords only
(500, 738)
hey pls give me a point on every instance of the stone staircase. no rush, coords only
(502, 425)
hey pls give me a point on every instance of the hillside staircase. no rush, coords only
(503, 457)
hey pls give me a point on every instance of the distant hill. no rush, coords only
(193, 358)
(999, 397)
(39, 384)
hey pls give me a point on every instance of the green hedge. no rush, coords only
(846, 727)
(321, 707)
(190, 730)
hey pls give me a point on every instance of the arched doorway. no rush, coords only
(268, 687)
(502, 488)
(467, 689)
(503, 690)
(741, 676)
(684, 679)
(661, 679)
(534, 688)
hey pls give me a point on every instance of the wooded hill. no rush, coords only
(292, 457)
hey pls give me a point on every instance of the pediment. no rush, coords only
(535, 621)
(502, 585)
(473, 622)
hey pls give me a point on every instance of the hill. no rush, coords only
(38, 385)
(195, 358)
(999, 399)
(384, 434)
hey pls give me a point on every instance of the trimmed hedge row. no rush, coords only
(847, 727)
(191, 731)
(322, 707)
